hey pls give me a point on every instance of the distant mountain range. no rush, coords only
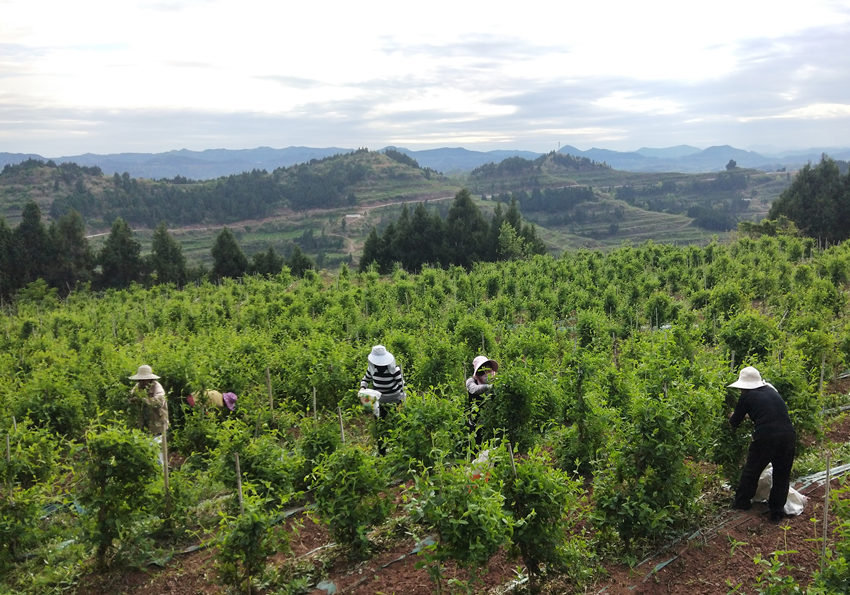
(214, 163)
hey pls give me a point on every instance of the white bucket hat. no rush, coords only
(144, 373)
(380, 356)
(748, 378)
(480, 361)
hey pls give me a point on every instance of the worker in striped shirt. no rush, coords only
(385, 376)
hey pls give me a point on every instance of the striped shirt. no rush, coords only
(389, 384)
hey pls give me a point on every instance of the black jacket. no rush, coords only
(767, 410)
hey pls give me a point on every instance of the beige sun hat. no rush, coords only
(144, 373)
(482, 360)
(748, 378)
(379, 356)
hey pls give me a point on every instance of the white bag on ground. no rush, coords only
(796, 501)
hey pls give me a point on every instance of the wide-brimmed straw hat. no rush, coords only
(481, 361)
(379, 356)
(144, 373)
(748, 378)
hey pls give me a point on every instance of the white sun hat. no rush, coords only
(748, 378)
(144, 373)
(482, 360)
(380, 356)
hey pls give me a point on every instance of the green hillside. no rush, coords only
(329, 205)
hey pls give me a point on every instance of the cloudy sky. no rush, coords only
(106, 76)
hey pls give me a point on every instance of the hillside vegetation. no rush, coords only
(329, 206)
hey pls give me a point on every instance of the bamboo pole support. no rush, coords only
(341, 428)
(511, 453)
(239, 483)
(165, 471)
(825, 514)
(269, 389)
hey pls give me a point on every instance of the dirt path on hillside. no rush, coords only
(291, 215)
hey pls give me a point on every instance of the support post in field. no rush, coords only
(239, 483)
(269, 389)
(165, 471)
(341, 428)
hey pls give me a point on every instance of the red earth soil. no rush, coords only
(715, 559)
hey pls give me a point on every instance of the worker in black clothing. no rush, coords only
(773, 441)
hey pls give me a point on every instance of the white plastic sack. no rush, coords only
(481, 465)
(796, 501)
(370, 399)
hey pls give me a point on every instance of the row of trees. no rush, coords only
(61, 256)
(463, 238)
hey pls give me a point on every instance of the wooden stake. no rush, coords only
(341, 428)
(825, 515)
(239, 483)
(14, 423)
(165, 471)
(511, 453)
(269, 388)
(315, 412)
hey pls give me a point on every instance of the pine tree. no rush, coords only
(298, 262)
(228, 258)
(466, 231)
(120, 258)
(73, 260)
(7, 287)
(31, 249)
(371, 250)
(167, 259)
(267, 263)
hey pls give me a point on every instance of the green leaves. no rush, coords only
(119, 473)
(349, 494)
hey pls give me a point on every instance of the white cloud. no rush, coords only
(482, 72)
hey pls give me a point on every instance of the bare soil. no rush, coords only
(718, 558)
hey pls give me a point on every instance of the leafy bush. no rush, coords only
(468, 515)
(835, 576)
(34, 454)
(749, 334)
(244, 544)
(52, 401)
(116, 490)
(427, 429)
(349, 496)
(198, 433)
(578, 446)
(520, 402)
(648, 488)
(20, 509)
(545, 504)
(318, 440)
(262, 461)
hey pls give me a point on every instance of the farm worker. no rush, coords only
(483, 372)
(385, 376)
(213, 398)
(773, 441)
(151, 395)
